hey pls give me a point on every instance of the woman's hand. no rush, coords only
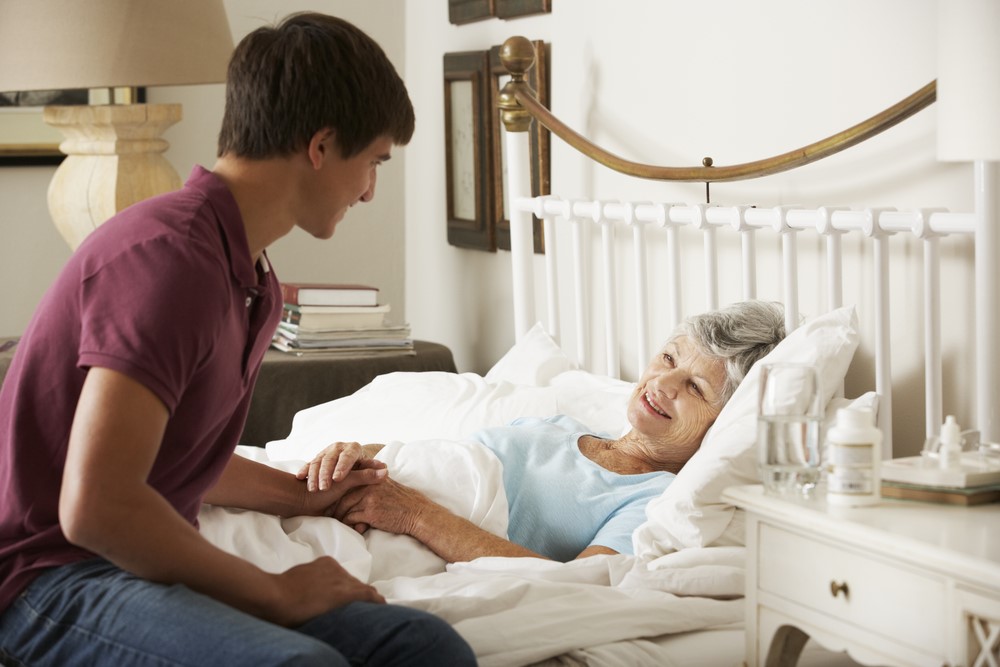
(396, 508)
(389, 506)
(336, 461)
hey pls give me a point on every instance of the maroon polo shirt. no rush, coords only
(167, 293)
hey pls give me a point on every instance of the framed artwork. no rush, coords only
(25, 139)
(539, 141)
(467, 149)
(507, 9)
(467, 11)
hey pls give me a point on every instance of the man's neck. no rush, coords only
(264, 193)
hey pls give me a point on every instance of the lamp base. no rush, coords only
(114, 158)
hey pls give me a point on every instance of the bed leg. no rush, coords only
(786, 647)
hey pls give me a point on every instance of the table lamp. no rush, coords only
(114, 151)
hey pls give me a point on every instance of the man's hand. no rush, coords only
(311, 589)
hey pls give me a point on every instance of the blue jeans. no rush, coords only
(93, 613)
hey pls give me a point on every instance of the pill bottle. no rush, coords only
(854, 453)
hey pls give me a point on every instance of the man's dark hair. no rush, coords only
(311, 72)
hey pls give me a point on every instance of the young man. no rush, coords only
(126, 398)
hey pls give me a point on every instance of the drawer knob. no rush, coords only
(836, 588)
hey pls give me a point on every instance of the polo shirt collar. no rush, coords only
(234, 234)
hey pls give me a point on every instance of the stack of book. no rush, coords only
(973, 481)
(337, 320)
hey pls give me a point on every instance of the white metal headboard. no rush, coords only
(831, 224)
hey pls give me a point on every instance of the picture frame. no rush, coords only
(27, 140)
(467, 150)
(539, 146)
(469, 11)
(507, 9)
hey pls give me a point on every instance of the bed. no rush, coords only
(679, 599)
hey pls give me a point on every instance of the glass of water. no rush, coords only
(788, 429)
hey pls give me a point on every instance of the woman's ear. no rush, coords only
(320, 145)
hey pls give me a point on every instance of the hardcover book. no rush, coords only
(329, 294)
(970, 495)
(317, 318)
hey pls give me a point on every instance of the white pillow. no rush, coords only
(534, 360)
(691, 512)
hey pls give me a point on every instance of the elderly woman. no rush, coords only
(573, 493)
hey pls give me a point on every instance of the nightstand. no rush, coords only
(900, 583)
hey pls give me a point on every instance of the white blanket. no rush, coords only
(512, 611)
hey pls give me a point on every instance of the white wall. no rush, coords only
(661, 81)
(367, 248)
(669, 82)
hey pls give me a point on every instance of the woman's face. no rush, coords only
(678, 397)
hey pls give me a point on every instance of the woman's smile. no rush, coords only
(653, 406)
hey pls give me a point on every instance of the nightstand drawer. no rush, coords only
(874, 595)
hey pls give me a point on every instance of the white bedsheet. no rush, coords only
(513, 611)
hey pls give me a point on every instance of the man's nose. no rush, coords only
(370, 192)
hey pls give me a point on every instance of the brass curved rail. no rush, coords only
(518, 104)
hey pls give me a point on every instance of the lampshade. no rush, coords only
(114, 153)
(968, 80)
(58, 44)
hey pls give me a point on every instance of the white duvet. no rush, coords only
(512, 611)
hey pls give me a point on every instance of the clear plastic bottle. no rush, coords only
(854, 451)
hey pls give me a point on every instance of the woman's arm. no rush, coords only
(399, 509)
(107, 507)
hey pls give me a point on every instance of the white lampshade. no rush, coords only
(57, 44)
(114, 152)
(968, 80)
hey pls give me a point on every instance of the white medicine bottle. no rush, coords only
(854, 454)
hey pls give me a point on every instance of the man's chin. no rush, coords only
(328, 232)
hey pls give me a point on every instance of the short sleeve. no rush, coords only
(150, 312)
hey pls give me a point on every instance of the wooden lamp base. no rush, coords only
(114, 158)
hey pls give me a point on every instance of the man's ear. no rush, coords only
(320, 146)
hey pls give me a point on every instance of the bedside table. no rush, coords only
(900, 583)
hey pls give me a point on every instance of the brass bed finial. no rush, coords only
(518, 105)
(518, 55)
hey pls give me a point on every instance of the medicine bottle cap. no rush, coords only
(855, 417)
(951, 434)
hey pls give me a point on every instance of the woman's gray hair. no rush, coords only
(738, 334)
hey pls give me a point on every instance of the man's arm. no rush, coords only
(251, 485)
(107, 507)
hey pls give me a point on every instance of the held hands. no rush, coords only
(356, 490)
(336, 470)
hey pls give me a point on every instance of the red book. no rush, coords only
(329, 294)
